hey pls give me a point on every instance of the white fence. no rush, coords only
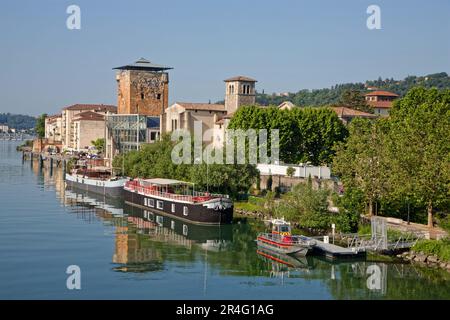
(300, 171)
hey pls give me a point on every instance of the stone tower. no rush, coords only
(143, 88)
(239, 91)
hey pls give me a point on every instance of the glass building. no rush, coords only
(127, 132)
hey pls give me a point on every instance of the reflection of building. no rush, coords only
(381, 101)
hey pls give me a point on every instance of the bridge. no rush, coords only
(5, 136)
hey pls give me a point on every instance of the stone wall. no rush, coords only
(142, 92)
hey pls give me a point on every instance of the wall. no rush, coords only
(300, 171)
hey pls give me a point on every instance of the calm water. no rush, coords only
(126, 253)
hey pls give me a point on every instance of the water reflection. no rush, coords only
(146, 242)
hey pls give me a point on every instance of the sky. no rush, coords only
(285, 45)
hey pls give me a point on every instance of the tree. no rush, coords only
(155, 160)
(353, 99)
(420, 147)
(290, 171)
(306, 134)
(361, 162)
(40, 126)
(306, 206)
(99, 144)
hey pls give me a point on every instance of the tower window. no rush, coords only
(158, 96)
(142, 96)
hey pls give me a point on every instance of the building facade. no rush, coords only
(87, 127)
(213, 117)
(381, 101)
(239, 91)
(53, 126)
(142, 88)
(70, 112)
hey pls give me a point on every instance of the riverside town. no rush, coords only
(217, 152)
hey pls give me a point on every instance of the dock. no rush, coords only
(333, 251)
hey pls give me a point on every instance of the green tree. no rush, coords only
(361, 162)
(99, 144)
(306, 206)
(420, 148)
(290, 171)
(40, 126)
(354, 99)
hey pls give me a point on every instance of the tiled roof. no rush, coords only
(202, 106)
(240, 78)
(89, 115)
(96, 107)
(382, 93)
(347, 112)
(380, 104)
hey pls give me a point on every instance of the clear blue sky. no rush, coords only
(286, 45)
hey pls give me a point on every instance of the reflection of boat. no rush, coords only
(80, 197)
(281, 240)
(178, 199)
(284, 259)
(213, 236)
(96, 179)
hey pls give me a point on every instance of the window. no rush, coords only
(142, 96)
(185, 210)
(158, 96)
(173, 207)
(152, 136)
(151, 203)
(145, 201)
(172, 224)
(185, 230)
(159, 204)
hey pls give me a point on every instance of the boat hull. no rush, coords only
(198, 213)
(107, 188)
(283, 248)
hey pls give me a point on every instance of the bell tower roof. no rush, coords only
(240, 78)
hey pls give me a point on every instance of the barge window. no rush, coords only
(151, 203)
(185, 210)
(173, 207)
(159, 204)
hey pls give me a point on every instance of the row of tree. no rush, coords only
(400, 160)
(155, 160)
(306, 134)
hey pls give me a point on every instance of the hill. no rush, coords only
(17, 121)
(331, 95)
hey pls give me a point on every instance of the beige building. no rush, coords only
(70, 112)
(53, 126)
(182, 115)
(381, 101)
(4, 128)
(87, 127)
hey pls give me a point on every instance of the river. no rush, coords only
(127, 253)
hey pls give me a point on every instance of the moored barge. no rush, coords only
(178, 199)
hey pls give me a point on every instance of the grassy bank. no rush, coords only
(439, 248)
